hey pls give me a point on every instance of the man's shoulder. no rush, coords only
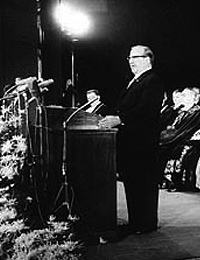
(153, 79)
(148, 75)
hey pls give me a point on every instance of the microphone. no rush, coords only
(21, 88)
(68, 84)
(25, 84)
(26, 81)
(45, 83)
(80, 108)
(21, 85)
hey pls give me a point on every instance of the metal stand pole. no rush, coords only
(64, 186)
(73, 42)
(73, 78)
(40, 39)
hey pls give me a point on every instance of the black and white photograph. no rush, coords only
(99, 130)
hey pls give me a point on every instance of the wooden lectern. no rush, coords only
(91, 166)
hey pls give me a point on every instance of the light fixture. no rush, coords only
(75, 23)
(72, 20)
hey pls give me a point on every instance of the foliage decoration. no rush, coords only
(18, 241)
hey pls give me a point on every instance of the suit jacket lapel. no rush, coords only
(143, 75)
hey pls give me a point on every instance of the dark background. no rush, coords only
(170, 28)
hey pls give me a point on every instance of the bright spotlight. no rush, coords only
(71, 20)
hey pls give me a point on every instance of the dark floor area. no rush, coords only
(177, 239)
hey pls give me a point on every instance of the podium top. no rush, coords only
(76, 119)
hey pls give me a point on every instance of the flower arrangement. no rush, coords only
(17, 240)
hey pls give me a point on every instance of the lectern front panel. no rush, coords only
(92, 169)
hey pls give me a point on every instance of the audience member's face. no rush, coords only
(138, 61)
(189, 98)
(177, 98)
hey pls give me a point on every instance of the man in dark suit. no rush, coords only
(138, 119)
(97, 107)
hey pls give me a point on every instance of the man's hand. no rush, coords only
(109, 122)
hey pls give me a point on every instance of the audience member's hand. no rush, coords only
(109, 122)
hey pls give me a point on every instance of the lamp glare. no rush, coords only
(74, 22)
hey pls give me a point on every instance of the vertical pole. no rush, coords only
(73, 43)
(40, 40)
(73, 77)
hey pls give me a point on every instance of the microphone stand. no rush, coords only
(80, 108)
(65, 185)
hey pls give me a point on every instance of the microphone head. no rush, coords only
(69, 82)
(45, 83)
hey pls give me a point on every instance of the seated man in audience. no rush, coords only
(176, 135)
(97, 106)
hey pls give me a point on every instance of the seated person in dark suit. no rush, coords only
(175, 136)
(172, 105)
(97, 106)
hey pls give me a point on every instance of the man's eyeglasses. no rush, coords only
(136, 56)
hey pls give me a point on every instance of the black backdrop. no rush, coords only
(18, 40)
(170, 27)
